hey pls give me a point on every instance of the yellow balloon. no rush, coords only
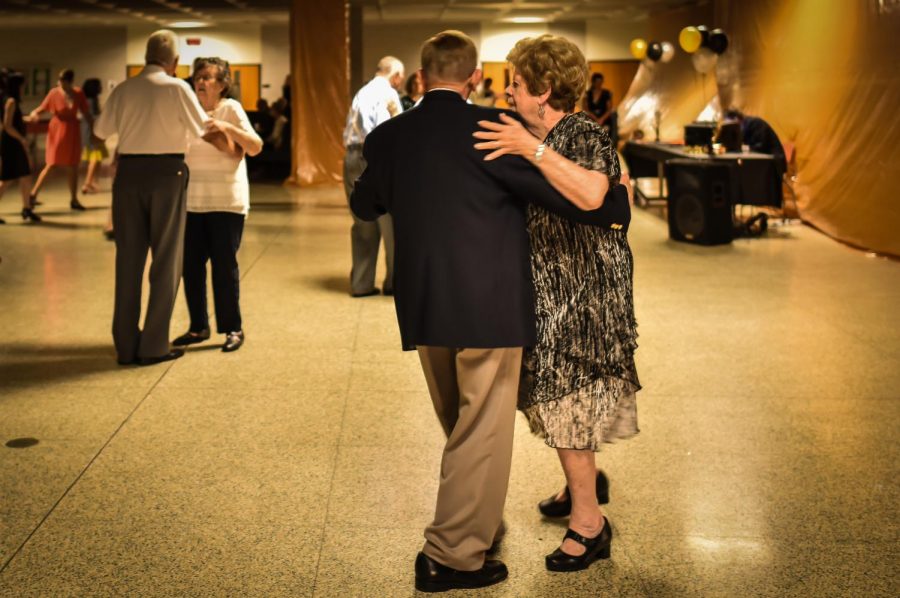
(690, 39)
(639, 48)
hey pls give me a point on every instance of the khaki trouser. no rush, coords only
(365, 237)
(474, 394)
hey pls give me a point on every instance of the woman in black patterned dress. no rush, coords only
(579, 382)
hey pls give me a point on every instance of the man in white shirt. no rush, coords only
(375, 103)
(154, 114)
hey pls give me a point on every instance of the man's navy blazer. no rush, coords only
(462, 273)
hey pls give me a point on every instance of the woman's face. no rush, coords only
(598, 84)
(520, 100)
(207, 85)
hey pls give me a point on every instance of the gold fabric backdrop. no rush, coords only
(320, 86)
(825, 75)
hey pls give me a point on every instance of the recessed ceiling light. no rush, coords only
(523, 20)
(188, 24)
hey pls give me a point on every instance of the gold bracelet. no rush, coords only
(539, 153)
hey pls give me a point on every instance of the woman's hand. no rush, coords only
(506, 137)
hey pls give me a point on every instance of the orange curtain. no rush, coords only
(825, 76)
(320, 84)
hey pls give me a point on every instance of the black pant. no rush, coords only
(213, 236)
(149, 194)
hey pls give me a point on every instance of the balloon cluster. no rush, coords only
(703, 45)
(655, 51)
(692, 39)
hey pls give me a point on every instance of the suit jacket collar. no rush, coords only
(442, 95)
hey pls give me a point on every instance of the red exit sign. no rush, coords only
(193, 41)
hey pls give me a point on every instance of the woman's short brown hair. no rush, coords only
(223, 75)
(554, 62)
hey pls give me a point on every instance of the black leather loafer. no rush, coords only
(431, 576)
(562, 508)
(173, 354)
(189, 338)
(595, 549)
(233, 341)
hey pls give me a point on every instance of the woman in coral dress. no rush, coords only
(64, 136)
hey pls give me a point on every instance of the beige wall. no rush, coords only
(102, 57)
(276, 59)
(235, 44)
(404, 42)
(608, 40)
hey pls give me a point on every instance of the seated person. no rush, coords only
(760, 136)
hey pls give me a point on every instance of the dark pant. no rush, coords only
(148, 214)
(215, 237)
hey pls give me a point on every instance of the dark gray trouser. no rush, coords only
(365, 237)
(148, 214)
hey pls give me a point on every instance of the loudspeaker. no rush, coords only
(701, 196)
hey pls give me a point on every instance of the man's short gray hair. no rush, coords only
(389, 66)
(162, 48)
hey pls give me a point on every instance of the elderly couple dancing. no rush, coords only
(513, 281)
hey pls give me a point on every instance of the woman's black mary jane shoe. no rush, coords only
(561, 508)
(595, 549)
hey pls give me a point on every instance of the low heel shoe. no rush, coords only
(562, 508)
(595, 549)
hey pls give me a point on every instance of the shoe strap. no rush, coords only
(573, 535)
(586, 542)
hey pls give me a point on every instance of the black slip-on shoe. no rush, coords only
(431, 576)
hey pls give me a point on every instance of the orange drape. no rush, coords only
(825, 76)
(320, 83)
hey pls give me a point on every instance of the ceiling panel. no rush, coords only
(15, 13)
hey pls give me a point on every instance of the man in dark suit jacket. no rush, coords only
(463, 293)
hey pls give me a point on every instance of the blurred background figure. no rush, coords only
(487, 96)
(598, 104)
(414, 91)
(15, 158)
(94, 149)
(64, 102)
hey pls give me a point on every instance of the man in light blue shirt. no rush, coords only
(375, 103)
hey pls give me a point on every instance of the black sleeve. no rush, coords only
(528, 184)
(367, 198)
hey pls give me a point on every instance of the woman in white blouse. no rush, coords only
(218, 201)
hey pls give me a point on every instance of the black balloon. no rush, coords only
(654, 51)
(718, 41)
(704, 33)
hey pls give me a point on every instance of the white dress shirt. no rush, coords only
(375, 103)
(219, 181)
(153, 113)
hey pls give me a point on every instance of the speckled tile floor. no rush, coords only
(305, 464)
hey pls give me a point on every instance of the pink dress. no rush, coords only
(64, 134)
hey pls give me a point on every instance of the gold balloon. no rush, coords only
(639, 48)
(690, 39)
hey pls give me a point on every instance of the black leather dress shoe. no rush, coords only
(431, 576)
(189, 338)
(173, 354)
(562, 508)
(596, 548)
(371, 293)
(233, 341)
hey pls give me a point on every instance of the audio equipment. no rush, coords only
(701, 199)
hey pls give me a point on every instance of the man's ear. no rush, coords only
(175, 65)
(423, 78)
(476, 78)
